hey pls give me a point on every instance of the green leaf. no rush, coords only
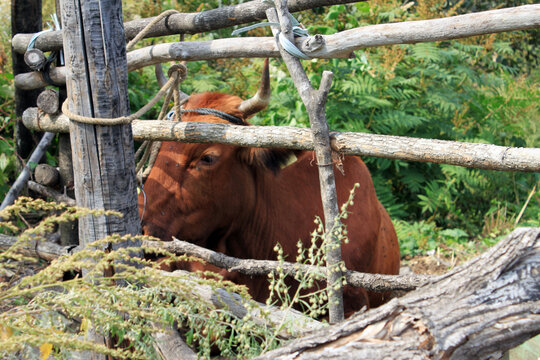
(32, 165)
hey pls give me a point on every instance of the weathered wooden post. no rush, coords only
(103, 156)
(315, 101)
(97, 80)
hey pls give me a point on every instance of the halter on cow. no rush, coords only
(239, 201)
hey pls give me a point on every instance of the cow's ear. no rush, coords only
(271, 159)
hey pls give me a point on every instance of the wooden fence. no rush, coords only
(94, 150)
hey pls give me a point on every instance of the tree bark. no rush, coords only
(473, 155)
(251, 267)
(103, 156)
(49, 101)
(23, 177)
(186, 23)
(56, 196)
(477, 311)
(315, 102)
(46, 175)
(337, 45)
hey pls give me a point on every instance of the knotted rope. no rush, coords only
(177, 74)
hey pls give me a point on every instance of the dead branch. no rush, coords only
(315, 102)
(23, 177)
(170, 345)
(477, 311)
(41, 249)
(55, 195)
(480, 156)
(219, 297)
(371, 282)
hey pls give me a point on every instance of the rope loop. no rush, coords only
(177, 75)
(180, 70)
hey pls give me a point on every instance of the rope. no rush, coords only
(148, 27)
(178, 75)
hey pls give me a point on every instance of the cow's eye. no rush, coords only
(207, 159)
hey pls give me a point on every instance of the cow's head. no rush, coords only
(200, 192)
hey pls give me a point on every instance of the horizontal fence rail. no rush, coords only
(184, 23)
(323, 46)
(474, 155)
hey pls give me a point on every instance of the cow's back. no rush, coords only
(372, 246)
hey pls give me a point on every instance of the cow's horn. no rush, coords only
(261, 98)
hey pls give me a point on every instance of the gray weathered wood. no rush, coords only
(371, 282)
(184, 23)
(41, 249)
(103, 156)
(335, 45)
(315, 102)
(46, 175)
(170, 345)
(477, 311)
(49, 101)
(23, 177)
(35, 59)
(55, 195)
(481, 156)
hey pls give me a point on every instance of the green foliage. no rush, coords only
(46, 312)
(481, 89)
(473, 90)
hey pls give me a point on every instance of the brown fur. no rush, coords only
(231, 199)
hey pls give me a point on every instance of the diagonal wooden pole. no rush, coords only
(315, 101)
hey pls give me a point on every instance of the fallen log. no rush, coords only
(476, 311)
(481, 156)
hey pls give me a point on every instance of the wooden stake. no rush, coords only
(103, 156)
(315, 101)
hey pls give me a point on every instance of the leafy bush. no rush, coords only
(473, 90)
(480, 89)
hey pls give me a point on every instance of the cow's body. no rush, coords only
(236, 201)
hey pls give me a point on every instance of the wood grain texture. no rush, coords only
(103, 157)
(183, 23)
(315, 102)
(476, 311)
(336, 45)
(473, 155)
(25, 17)
(371, 282)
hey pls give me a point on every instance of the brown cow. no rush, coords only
(238, 200)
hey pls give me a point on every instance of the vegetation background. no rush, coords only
(482, 89)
